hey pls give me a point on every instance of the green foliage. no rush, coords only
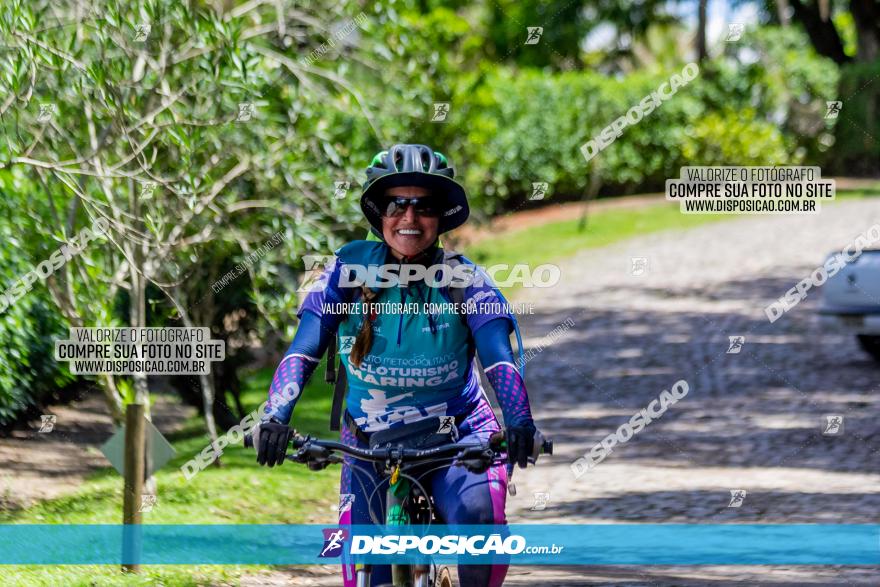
(788, 84)
(728, 138)
(28, 371)
(566, 23)
(530, 127)
(857, 131)
(163, 110)
(527, 125)
(28, 328)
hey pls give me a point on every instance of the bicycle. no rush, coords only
(406, 500)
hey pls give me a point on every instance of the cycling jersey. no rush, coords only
(420, 363)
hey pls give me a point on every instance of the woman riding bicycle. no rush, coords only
(410, 366)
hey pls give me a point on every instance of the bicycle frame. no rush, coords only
(402, 575)
(400, 487)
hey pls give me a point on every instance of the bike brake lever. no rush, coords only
(316, 458)
(477, 466)
(317, 465)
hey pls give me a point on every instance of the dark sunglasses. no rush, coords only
(424, 206)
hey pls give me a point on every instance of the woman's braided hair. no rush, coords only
(364, 340)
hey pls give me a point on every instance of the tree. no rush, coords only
(168, 121)
(701, 30)
(856, 149)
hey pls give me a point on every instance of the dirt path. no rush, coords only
(35, 466)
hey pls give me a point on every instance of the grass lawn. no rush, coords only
(243, 493)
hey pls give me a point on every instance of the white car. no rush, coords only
(851, 301)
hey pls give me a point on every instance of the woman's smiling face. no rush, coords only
(409, 233)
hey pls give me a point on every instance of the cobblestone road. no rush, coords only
(751, 421)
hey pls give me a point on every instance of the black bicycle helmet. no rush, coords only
(416, 165)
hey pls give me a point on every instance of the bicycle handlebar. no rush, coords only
(310, 448)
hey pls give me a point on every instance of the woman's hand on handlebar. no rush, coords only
(271, 439)
(523, 444)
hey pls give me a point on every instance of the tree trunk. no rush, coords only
(822, 33)
(111, 395)
(701, 31)
(866, 14)
(782, 12)
(138, 319)
(206, 380)
(132, 497)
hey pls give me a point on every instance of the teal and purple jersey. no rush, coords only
(421, 363)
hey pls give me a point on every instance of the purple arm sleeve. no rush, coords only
(304, 354)
(290, 377)
(493, 345)
(487, 305)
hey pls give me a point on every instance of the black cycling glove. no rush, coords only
(273, 438)
(520, 444)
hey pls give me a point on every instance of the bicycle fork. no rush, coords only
(402, 575)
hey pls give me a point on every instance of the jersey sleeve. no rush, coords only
(496, 355)
(324, 293)
(483, 302)
(318, 324)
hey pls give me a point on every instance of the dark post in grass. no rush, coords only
(134, 485)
